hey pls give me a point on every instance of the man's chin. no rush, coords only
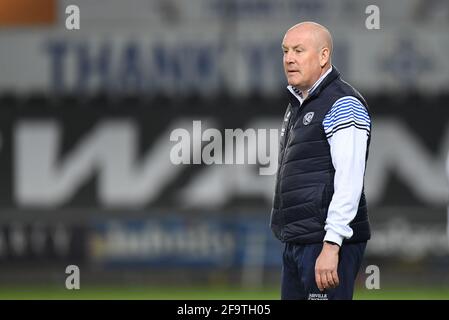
(293, 83)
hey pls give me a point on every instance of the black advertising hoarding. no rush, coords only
(70, 153)
(72, 160)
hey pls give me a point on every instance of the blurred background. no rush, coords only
(85, 122)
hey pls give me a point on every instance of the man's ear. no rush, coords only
(324, 56)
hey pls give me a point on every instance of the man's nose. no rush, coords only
(289, 57)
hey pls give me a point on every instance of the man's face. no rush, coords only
(301, 58)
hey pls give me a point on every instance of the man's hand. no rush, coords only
(326, 267)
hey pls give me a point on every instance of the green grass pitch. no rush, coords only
(200, 293)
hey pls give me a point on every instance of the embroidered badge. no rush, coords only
(308, 118)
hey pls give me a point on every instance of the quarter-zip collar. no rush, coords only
(295, 95)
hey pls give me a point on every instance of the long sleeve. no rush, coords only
(347, 127)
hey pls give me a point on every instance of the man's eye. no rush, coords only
(298, 50)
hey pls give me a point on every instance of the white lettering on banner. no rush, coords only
(34, 239)
(408, 158)
(110, 151)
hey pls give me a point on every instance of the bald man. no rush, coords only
(319, 207)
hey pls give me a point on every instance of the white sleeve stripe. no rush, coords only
(347, 99)
(346, 110)
(338, 105)
(335, 112)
